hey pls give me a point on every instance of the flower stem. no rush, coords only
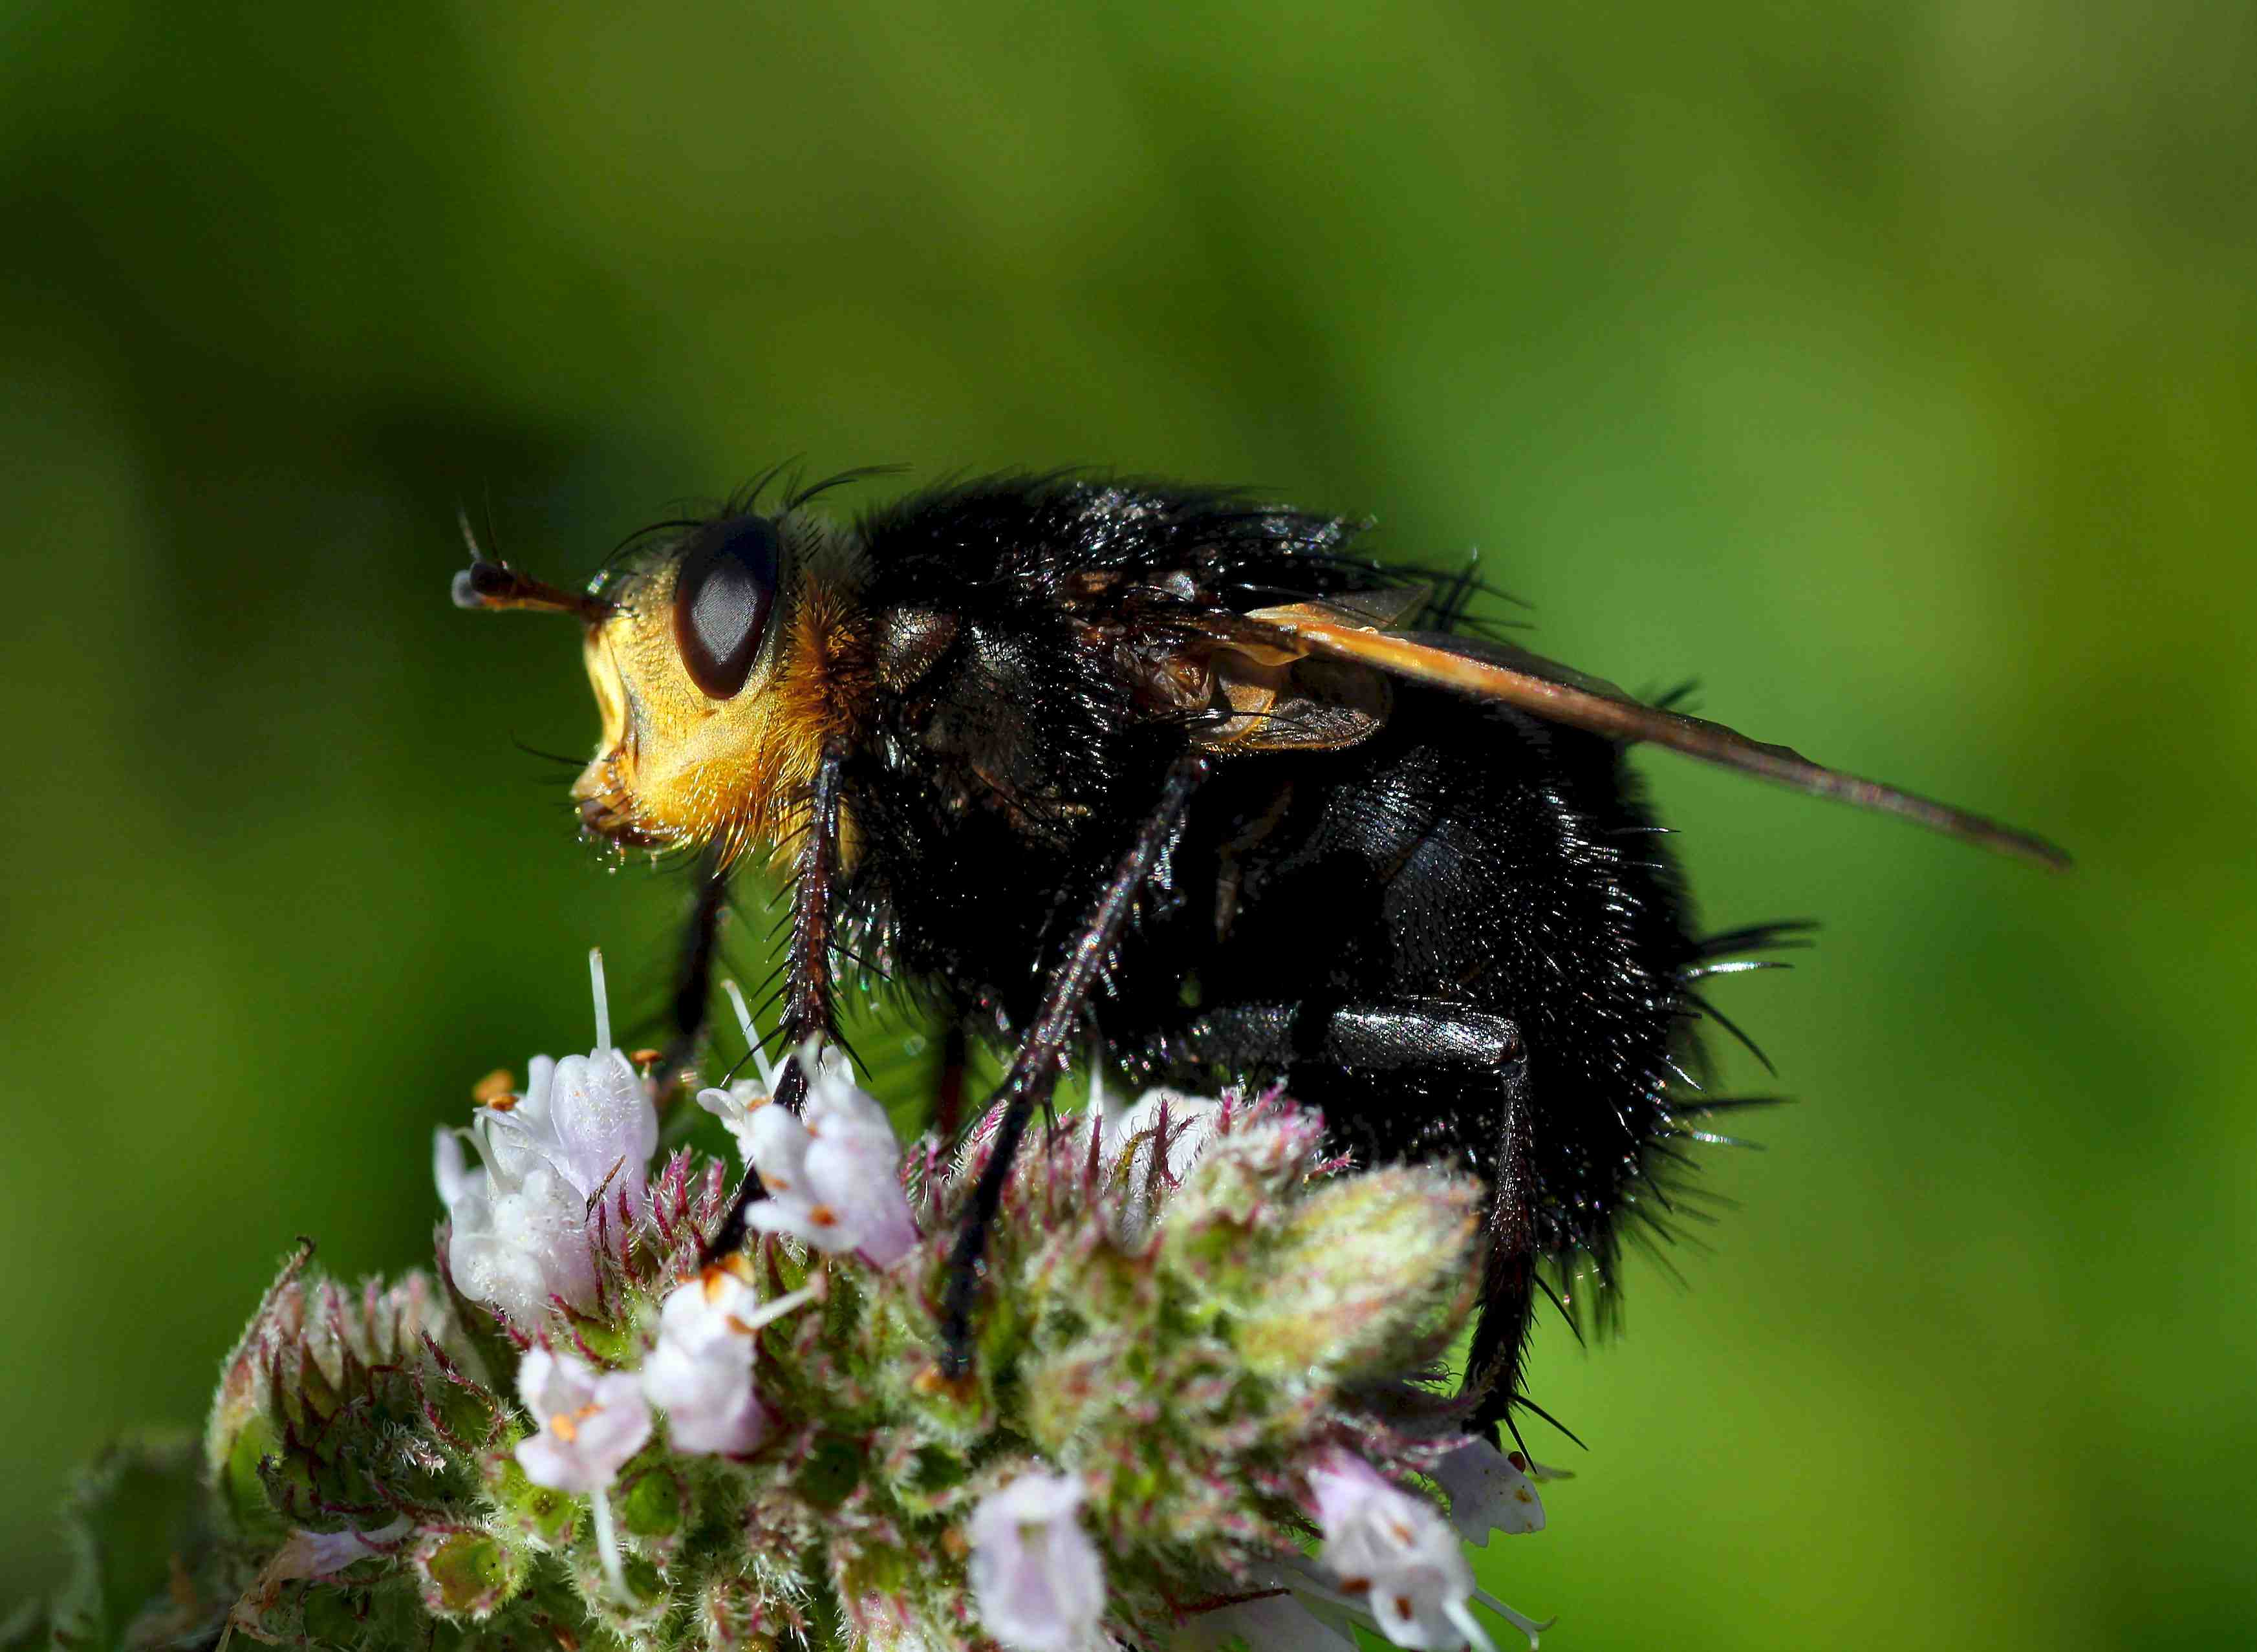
(1469, 1627)
(768, 1313)
(607, 1545)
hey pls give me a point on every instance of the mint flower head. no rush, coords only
(1205, 1410)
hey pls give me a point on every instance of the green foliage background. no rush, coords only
(1890, 367)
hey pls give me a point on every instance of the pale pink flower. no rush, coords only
(701, 1371)
(588, 1117)
(515, 1239)
(833, 1173)
(592, 1421)
(314, 1554)
(1035, 1575)
(1398, 1555)
(324, 1554)
(736, 1105)
(1488, 1491)
(578, 1143)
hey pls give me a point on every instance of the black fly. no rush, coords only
(1188, 779)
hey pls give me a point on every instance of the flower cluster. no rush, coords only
(1199, 1413)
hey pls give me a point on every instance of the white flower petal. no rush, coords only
(1396, 1552)
(701, 1372)
(1034, 1573)
(450, 1170)
(710, 1311)
(590, 1423)
(734, 1426)
(735, 1107)
(794, 1220)
(605, 1126)
(532, 1107)
(854, 1189)
(779, 1145)
(1487, 1493)
(834, 1102)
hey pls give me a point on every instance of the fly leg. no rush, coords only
(693, 974)
(807, 980)
(807, 1011)
(1507, 1291)
(948, 1082)
(1042, 1055)
(1452, 1043)
(1417, 1032)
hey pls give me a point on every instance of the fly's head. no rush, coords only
(721, 663)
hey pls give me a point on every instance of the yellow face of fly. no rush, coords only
(720, 672)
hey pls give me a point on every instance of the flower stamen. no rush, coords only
(771, 1072)
(603, 1004)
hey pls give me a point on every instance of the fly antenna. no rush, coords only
(491, 583)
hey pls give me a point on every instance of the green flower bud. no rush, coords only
(655, 1504)
(467, 1575)
(1363, 1272)
(544, 1516)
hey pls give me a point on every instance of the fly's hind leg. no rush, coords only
(1438, 1037)
(1508, 1294)
(1244, 1038)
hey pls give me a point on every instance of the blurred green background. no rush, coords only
(1891, 368)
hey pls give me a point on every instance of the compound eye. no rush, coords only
(721, 599)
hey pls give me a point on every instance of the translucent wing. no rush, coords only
(1487, 669)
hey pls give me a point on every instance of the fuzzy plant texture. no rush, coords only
(1206, 1410)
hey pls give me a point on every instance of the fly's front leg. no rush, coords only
(1042, 1055)
(948, 1082)
(808, 981)
(693, 976)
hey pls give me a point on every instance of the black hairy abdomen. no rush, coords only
(1464, 854)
